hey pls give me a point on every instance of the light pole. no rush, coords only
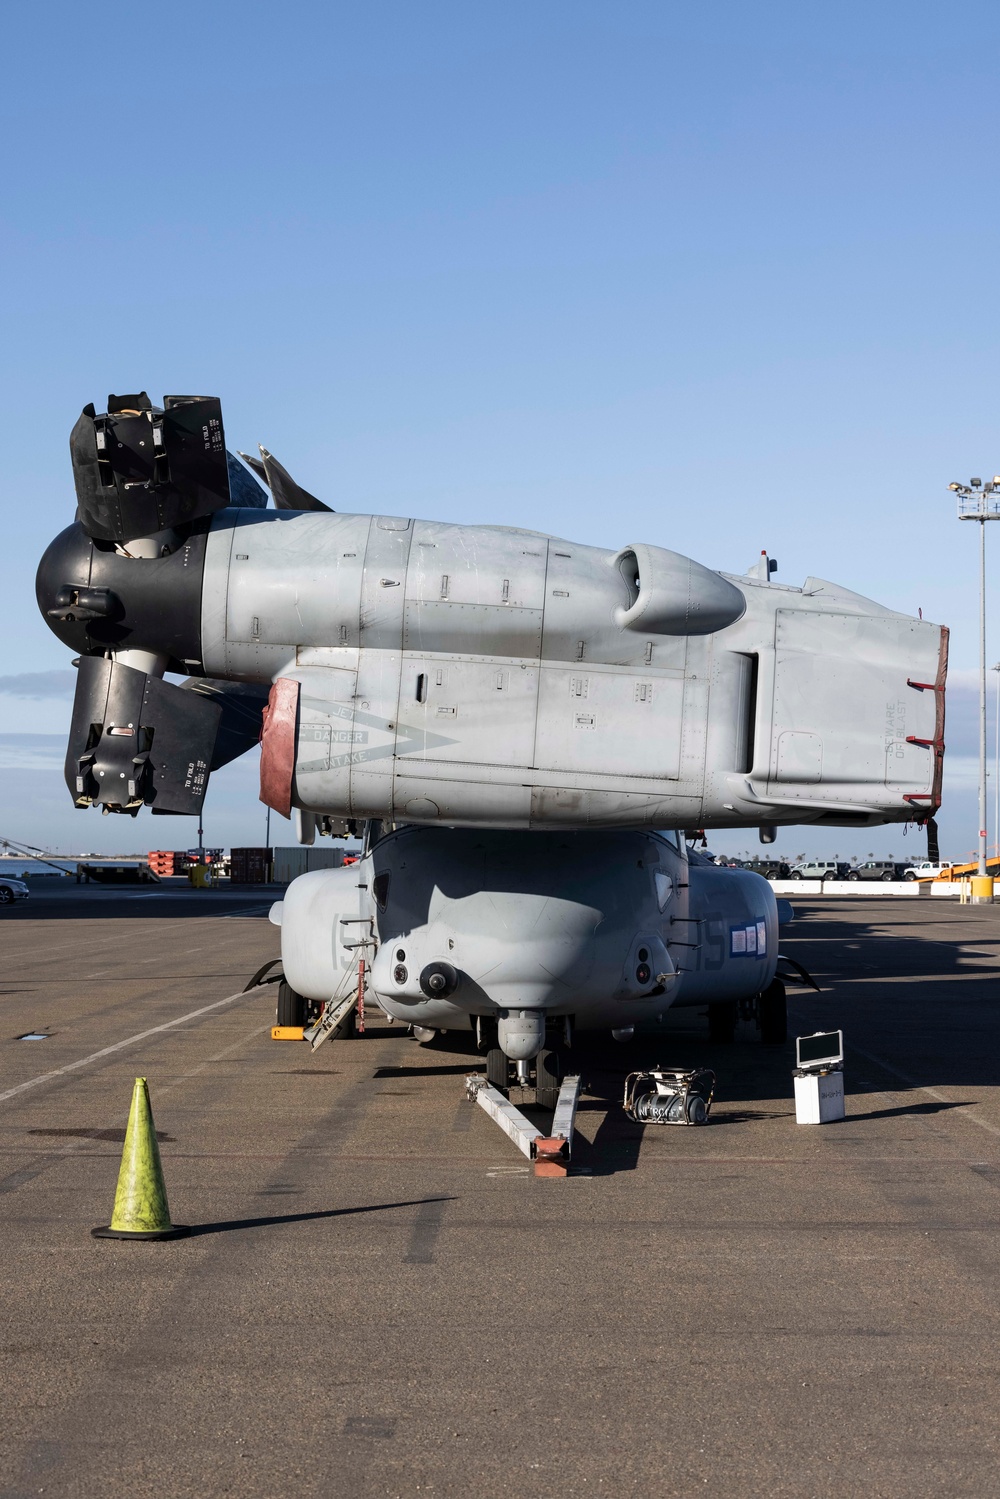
(996, 768)
(980, 502)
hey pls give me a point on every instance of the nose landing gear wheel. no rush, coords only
(772, 1014)
(722, 1024)
(498, 1069)
(549, 1070)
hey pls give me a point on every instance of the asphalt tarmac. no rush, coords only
(379, 1299)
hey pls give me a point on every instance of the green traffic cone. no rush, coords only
(140, 1210)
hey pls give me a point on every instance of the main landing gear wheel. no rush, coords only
(549, 1069)
(722, 1023)
(291, 1006)
(498, 1069)
(772, 1014)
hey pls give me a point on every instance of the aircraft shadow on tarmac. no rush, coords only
(276, 1220)
(746, 1071)
(913, 1001)
(923, 999)
(462, 1070)
(72, 902)
(910, 1110)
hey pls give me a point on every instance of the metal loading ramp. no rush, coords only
(551, 1154)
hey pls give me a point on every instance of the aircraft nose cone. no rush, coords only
(64, 569)
(524, 948)
(96, 598)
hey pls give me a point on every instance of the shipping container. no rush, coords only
(289, 863)
(250, 866)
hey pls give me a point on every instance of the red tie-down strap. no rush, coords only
(277, 746)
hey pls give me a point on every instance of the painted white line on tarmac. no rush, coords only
(923, 1088)
(107, 1051)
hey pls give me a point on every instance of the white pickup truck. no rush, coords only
(927, 870)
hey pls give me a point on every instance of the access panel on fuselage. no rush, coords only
(472, 633)
(601, 720)
(844, 712)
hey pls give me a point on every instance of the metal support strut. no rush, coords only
(550, 1153)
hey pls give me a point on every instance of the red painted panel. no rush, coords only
(277, 746)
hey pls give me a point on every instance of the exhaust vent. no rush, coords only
(667, 594)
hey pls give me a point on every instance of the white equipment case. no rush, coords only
(819, 1078)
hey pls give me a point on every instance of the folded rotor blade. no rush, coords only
(255, 464)
(244, 490)
(242, 705)
(140, 469)
(286, 493)
(136, 741)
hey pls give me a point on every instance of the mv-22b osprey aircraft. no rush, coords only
(523, 728)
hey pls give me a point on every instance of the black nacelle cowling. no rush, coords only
(140, 469)
(94, 598)
(136, 741)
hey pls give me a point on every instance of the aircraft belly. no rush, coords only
(535, 921)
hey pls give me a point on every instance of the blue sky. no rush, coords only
(717, 277)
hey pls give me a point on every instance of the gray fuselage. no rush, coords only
(611, 929)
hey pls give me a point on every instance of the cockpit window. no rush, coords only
(664, 887)
(380, 888)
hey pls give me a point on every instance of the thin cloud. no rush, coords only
(32, 751)
(39, 684)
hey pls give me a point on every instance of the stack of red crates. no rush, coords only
(165, 861)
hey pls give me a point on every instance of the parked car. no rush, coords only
(877, 869)
(925, 870)
(818, 869)
(771, 869)
(12, 890)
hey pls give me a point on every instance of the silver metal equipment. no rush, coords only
(668, 1095)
